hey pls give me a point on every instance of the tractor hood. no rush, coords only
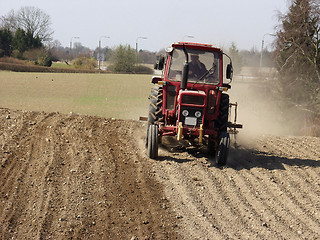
(191, 97)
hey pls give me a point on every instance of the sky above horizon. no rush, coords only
(216, 22)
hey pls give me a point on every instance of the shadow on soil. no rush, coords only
(193, 153)
(250, 158)
(239, 158)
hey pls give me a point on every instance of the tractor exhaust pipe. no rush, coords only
(185, 70)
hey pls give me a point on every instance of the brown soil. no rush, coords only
(80, 177)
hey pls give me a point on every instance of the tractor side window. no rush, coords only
(171, 95)
(176, 65)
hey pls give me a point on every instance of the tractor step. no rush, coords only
(143, 118)
(234, 125)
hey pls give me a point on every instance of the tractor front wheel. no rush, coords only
(222, 156)
(152, 141)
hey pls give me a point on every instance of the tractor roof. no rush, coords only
(195, 46)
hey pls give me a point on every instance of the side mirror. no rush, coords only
(155, 66)
(229, 73)
(185, 73)
(160, 63)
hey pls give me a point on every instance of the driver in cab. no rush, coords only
(196, 68)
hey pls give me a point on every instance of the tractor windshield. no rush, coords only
(204, 66)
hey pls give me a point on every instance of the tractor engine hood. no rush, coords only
(191, 97)
(191, 92)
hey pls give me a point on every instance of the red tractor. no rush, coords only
(188, 100)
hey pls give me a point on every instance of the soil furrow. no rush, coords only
(281, 204)
(84, 177)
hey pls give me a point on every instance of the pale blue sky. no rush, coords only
(163, 21)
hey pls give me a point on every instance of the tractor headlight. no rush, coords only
(197, 114)
(185, 113)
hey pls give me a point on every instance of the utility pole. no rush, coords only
(71, 46)
(100, 57)
(137, 42)
(262, 45)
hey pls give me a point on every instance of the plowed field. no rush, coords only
(68, 176)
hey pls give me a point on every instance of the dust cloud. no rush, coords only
(260, 110)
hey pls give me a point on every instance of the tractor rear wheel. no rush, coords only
(153, 141)
(222, 156)
(155, 108)
(211, 147)
(222, 121)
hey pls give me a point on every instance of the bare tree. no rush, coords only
(298, 52)
(30, 19)
(9, 21)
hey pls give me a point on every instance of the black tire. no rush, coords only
(222, 121)
(211, 147)
(155, 108)
(222, 156)
(153, 141)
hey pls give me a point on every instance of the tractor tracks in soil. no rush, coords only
(72, 176)
(269, 190)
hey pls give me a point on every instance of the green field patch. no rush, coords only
(61, 65)
(123, 96)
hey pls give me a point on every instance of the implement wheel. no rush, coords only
(222, 156)
(152, 141)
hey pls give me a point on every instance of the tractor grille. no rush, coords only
(192, 99)
(191, 118)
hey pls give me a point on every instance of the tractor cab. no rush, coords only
(204, 66)
(204, 61)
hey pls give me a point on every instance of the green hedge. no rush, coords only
(33, 68)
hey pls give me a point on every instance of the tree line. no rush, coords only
(23, 33)
(16, 43)
(29, 28)
(297, 56)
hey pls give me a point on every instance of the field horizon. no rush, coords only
(121, 96)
